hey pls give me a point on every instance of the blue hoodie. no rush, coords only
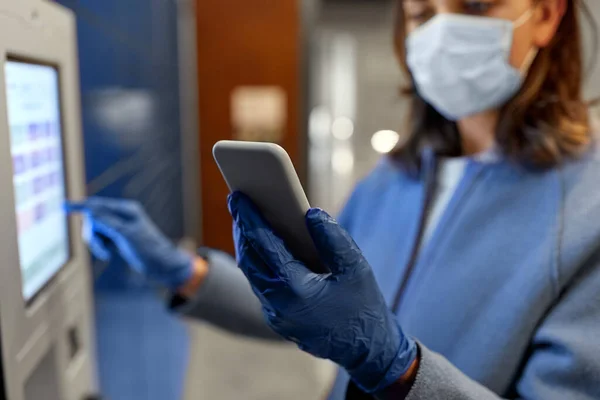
(504, 298)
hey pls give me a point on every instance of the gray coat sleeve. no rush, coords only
(564, 363)
(226, 300)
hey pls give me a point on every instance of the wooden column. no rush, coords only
(242, 43)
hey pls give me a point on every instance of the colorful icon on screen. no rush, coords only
(39, 185)
(40, 212)
(36, 159)
(48, 129)
(19, 164)
(33, 132)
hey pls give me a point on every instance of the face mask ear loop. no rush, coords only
(508, 38)
(528, 62)
(523, 18)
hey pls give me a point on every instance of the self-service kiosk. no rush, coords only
(47, 346)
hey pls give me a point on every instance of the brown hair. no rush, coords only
(546, 122)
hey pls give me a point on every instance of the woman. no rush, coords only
(476, 268)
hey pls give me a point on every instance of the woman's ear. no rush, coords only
(547, 18)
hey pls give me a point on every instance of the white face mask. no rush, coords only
(460, 63)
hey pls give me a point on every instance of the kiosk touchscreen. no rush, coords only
(46, 334)
(35, 130)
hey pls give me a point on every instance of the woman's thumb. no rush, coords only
(337, 249)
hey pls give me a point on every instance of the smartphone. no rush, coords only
(264, 172)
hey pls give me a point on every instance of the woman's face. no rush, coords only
(536, 32)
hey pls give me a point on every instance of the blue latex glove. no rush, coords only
(121, 225)
(341, 316)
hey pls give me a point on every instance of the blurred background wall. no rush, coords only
(162, 80)
(129, 66)
(244, 44)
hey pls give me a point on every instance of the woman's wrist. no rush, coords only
(199, 271)
(401, 388)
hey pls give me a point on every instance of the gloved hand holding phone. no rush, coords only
(341, 316)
